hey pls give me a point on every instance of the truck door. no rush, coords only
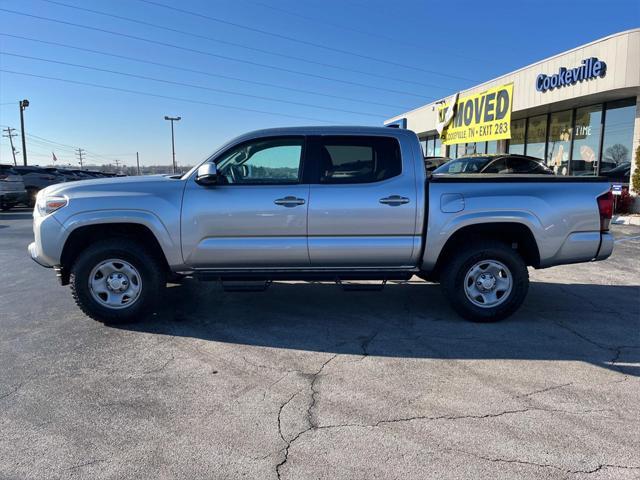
(362, 210)
(256, 216)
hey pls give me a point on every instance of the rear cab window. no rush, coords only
(357, 159)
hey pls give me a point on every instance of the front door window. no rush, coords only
(264, 162)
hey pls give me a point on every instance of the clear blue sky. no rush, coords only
(430, 49)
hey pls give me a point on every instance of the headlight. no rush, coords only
(49, 204)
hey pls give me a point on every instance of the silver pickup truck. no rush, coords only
(344, 204)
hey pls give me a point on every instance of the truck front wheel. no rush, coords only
(116, 281)
(486, 282)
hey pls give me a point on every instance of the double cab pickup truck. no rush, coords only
(343, 204)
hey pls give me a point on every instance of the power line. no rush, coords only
(303, 42)
(247, 47)
(45, 142)
(40, 144)
(190, 85)
(210, 54)
(202, 72)
(168, 97)
(394, 40)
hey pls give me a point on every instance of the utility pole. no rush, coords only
(138, 162)
(10, 136)
(23, 104)
(117, 165)
(173, 144)
(79, 154)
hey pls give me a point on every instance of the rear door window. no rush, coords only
(8, 170)
(525, 165)
(499, 165)
(356, 159)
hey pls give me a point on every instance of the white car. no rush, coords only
(12, 189)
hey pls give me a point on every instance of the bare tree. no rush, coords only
(617, 153)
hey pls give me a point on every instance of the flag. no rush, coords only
(55, 159)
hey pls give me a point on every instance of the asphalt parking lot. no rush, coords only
(308, 381)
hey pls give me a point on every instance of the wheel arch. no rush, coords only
(518, 235)
(84, 235)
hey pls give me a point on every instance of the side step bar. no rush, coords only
(304, 276)
(259, 281)
(361, 287)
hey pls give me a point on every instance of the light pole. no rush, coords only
(23, 104)
(173, 143)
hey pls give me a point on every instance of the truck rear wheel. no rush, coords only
(486, 282)
(116, 281)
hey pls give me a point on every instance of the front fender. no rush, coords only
(169, 245)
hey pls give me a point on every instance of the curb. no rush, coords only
(626, 220)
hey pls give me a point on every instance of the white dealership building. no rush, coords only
(579, 111)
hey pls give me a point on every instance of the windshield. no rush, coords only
(464, 165)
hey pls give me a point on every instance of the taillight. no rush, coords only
(605, 207)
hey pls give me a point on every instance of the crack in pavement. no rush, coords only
(161, 368)
(280, 414)
(314, 426)
(593, 306)
(456, 417)
(86, 464)
(13, 391)
(364, 345)
(273, 384)
(615, 350)
(543, 390)
(309, 416)
(599, 467)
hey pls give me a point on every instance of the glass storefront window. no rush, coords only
(430, 146)
(471, 148)
(586, 140)
(559, 138)
(423, 145)
(516, 144)
(618, 140)
(437, 149)
(492, 146)
(537, 136)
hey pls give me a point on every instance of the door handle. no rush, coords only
(394, 200)
(289, 201)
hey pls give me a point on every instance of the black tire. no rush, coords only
(31, 197)
(455, 271)
(150, 269)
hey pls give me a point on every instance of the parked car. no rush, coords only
(330, 203)
(12, 189)
(36, 178)
(431, 163)
(68, 175)
(497, 164)
(618, 174)
(82, 174)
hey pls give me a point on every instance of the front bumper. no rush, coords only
(49, 237)
(33, 251)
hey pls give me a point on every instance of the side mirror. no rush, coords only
(207, 174)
